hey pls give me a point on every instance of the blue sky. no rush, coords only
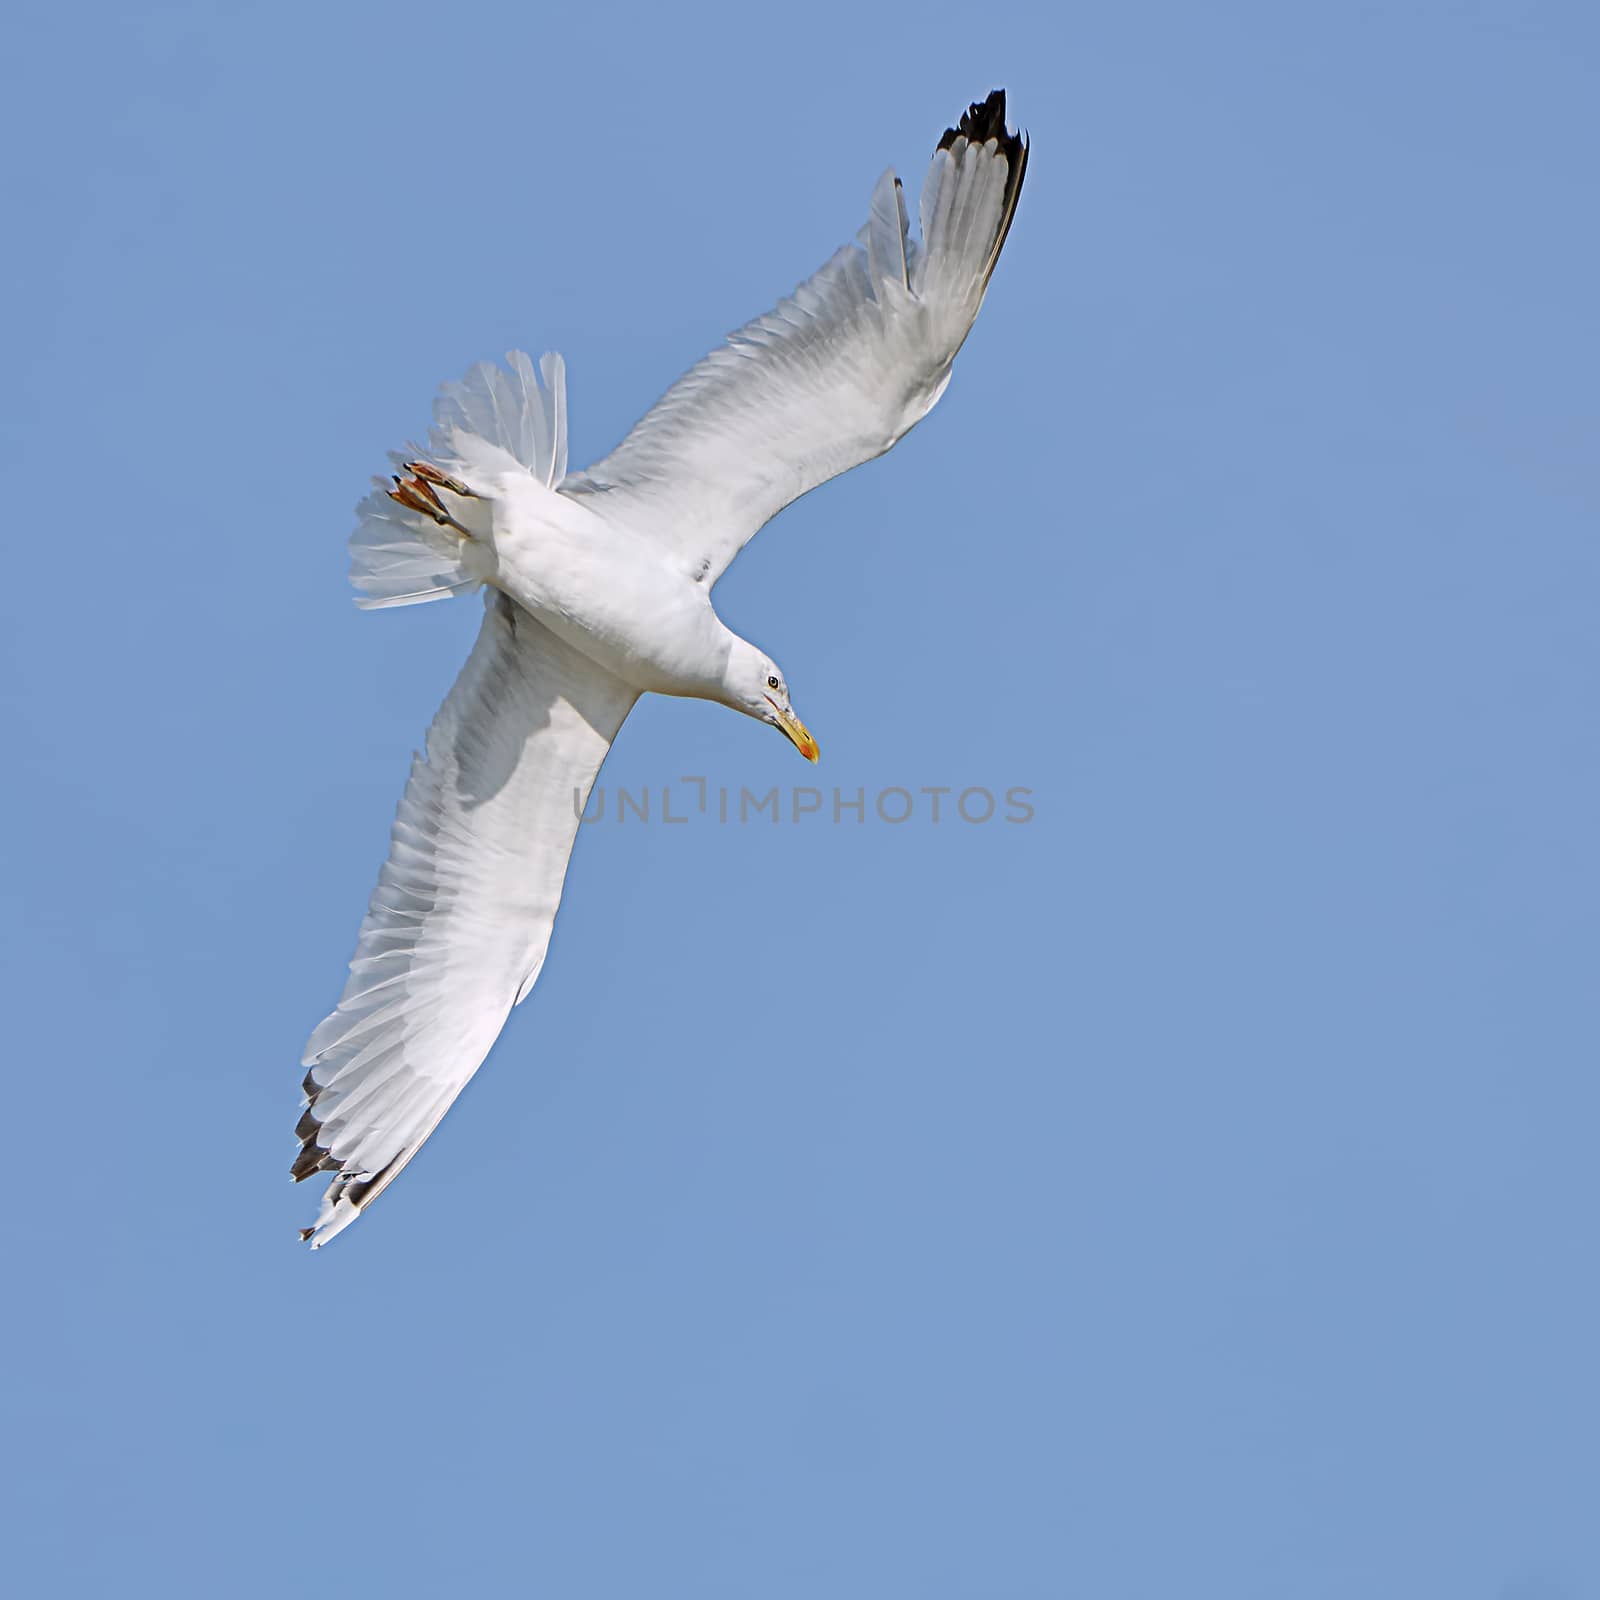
(1190, 1192)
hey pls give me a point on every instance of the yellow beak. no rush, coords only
(796, 731)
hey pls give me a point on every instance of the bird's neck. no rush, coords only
(741, 676)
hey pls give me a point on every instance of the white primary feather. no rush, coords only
(886, 234)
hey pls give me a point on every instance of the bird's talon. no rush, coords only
(432, 475)
(416, 494)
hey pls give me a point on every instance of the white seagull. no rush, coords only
(599, 590)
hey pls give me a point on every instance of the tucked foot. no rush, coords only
(418, 493)
(433, 475)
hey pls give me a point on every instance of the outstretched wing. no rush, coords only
(831, 377)
(459, 923)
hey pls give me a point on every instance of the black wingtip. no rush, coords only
(359, 1188)
(312, 1157)
(980, 123)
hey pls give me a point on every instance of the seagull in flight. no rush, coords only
(597, 590)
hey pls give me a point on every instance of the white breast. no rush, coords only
(615, 596)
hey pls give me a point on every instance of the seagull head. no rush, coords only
(755, 685)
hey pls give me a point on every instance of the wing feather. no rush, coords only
(833, 375)
(885, 234)
(458, 926)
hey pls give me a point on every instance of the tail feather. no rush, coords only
(400, 553)
(508, 408)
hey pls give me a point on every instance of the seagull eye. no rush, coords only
(772, 683)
